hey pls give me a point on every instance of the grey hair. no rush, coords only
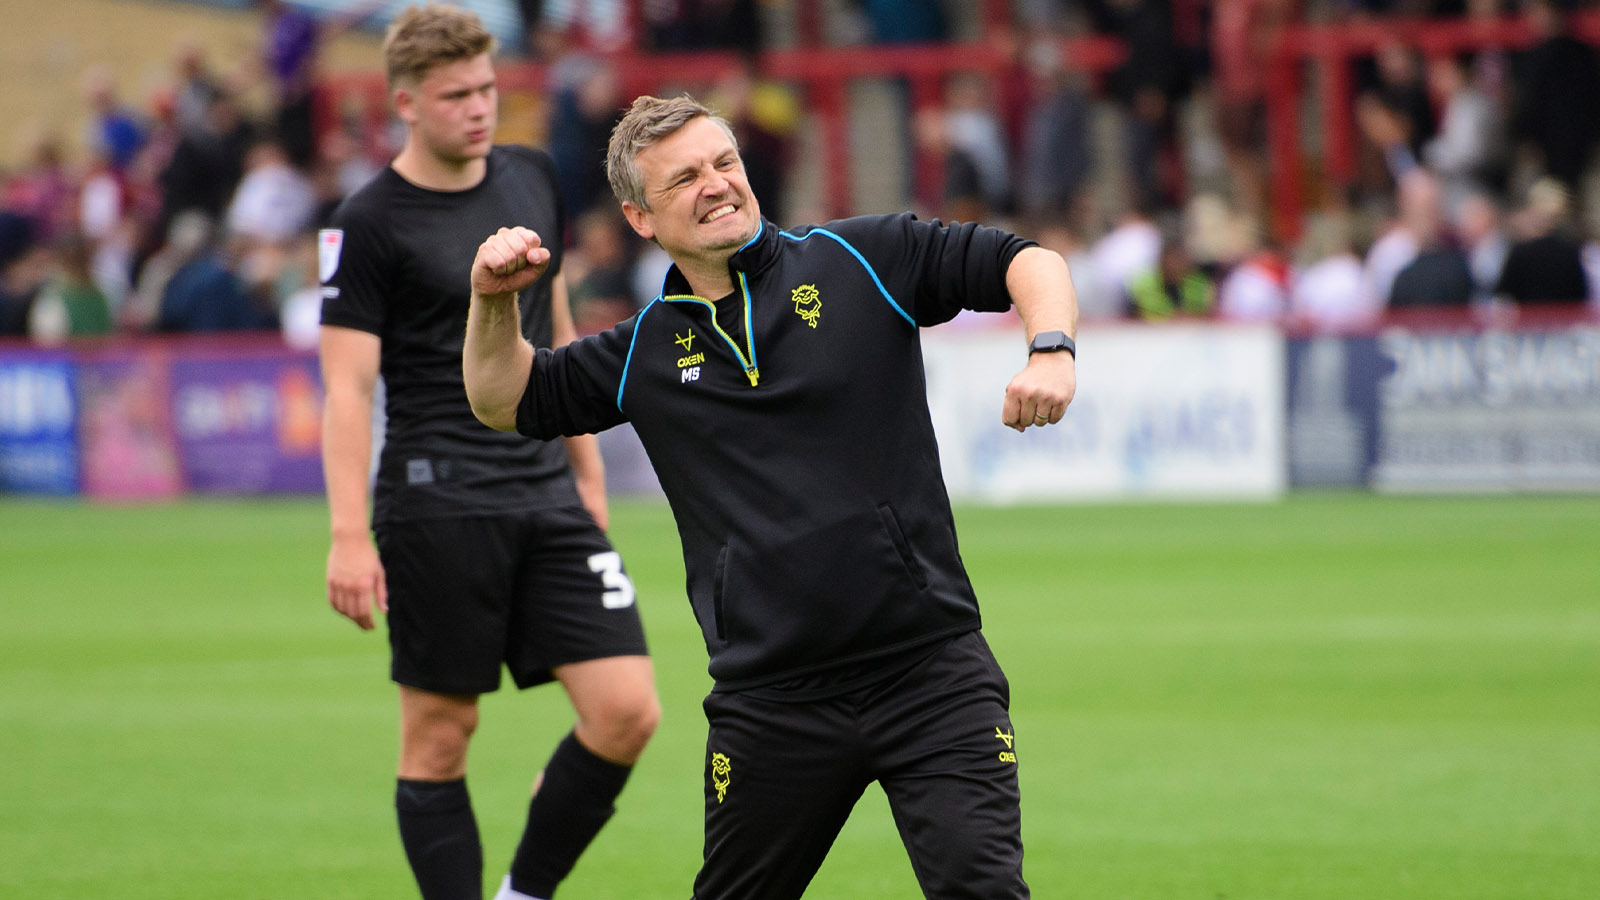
(649, 121)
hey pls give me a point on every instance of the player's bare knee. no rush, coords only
(619, 726)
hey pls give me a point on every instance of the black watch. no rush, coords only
(1051, 341)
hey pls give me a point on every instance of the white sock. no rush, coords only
(507, 892)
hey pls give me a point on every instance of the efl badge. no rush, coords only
(808, 303)
(329, 242)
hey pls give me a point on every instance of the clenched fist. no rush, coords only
(510, 260)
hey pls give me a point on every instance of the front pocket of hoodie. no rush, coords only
(718, 581)
(891, 525)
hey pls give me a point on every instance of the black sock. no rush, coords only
(440, 835)
(573, 802)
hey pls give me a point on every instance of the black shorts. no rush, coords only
(782, 777)
(531, 590)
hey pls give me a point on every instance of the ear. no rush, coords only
(405, 105)
(639, 219)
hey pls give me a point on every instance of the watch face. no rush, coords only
(1051, 341)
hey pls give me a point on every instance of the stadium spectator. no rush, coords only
(203, 293)
(1175, 286)
(1417, 219)
(1393, 115)
(114, 130)
(42, 191)
(904, 21)
(764, 116)
(300, 297)
(1328, 291)
(24, 268)
(1467, 152)
(1146, 86)
(1241, 33)
(274, 200)
(196, 86)
(974, 137)
(586, 102)
(678, 25)
(842, 629)
(1256, 286)
(206, 164)
(490, 551)
(69, 304)
(1438, 276)
(1477, 226)
(290, 46)
(1056, 156)
(1556, 113)
(1132, 247)
(1545, 263)
(600, 270)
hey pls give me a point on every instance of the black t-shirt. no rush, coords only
(396, 262)
(1546, 269)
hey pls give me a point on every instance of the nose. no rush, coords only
(716, 182)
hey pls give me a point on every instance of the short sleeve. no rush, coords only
(354, 268)
(577, 388)
(937, 270)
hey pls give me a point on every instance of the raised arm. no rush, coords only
(497, 360)
(1041, 291)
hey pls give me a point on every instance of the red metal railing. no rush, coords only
(1330, 50)
(822, 73)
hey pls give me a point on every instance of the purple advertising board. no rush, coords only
(248, 425)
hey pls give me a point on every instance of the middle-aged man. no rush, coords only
(777, 385)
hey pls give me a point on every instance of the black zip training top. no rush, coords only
(792, 437)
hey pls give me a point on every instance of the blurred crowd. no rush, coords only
(191, 211)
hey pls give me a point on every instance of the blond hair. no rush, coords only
(649, 121)
(425, 36)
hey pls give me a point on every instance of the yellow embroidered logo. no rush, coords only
(721, 774)
(807, 303)
(689, 363)
(1009, 737)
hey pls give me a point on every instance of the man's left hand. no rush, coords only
(1041, 392)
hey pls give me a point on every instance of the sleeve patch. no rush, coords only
(330, 242)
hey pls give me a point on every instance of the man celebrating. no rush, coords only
(777, 385)
(485, 552)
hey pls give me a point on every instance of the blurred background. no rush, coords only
(1315, 242)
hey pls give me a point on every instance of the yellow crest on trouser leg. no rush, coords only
(721, 774)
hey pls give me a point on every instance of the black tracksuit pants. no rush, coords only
(782, 777)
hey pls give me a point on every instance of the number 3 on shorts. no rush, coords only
(619, 588)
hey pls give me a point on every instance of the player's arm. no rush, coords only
(1041, 290)
(497, 360)
(349, 376)
(588, 469)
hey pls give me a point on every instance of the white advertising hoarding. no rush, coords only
(1173, 412)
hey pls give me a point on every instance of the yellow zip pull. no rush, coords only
(754, 375)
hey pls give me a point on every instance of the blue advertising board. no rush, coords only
(38, 424)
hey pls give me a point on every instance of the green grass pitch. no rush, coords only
(1339, 696)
